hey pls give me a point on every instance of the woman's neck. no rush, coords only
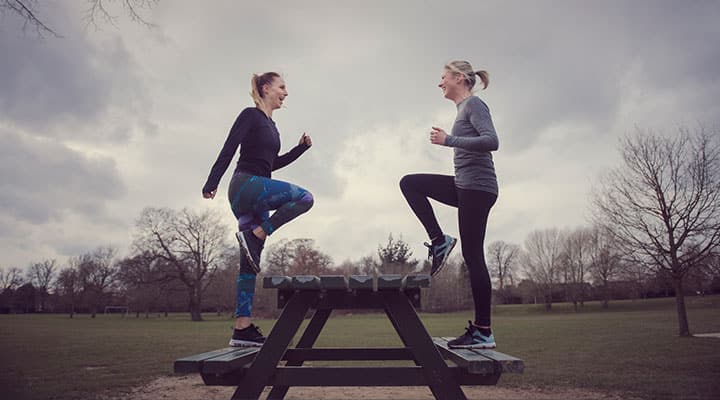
(461, 96)
(267, 110)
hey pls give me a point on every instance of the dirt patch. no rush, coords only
(191, 387)
(708, 335)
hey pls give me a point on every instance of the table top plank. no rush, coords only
(333, 282)
(416, 281)
(389, 282)
(362, 282)
(306, 282)
(277, 282)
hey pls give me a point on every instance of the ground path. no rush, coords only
(191, 387)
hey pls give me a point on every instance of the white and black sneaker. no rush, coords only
(247, 337)
(250, 246)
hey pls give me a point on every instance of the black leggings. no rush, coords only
(473, 210)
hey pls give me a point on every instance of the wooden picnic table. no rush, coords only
(251, 369)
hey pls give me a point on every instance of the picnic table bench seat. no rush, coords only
(253, 368)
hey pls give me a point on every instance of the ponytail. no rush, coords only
(254, 92)
(484, 77)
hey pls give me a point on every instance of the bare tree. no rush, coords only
(369, 266)
(41, 275)
(10, 279)
(576, 263)
(68, 285)
(191, 245)
(543, 260)
(144, 282)
(296, 257)
(662, 203)
(307, 260)
(222, 294)
(278, 258)
(29, 12)
(502, 259)
(605, 260)
(97, 271)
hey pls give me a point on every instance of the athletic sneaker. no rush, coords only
(250, 246)
(440, 253)
(247, 337)
(473, 339)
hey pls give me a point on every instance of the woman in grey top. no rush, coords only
(473, 190)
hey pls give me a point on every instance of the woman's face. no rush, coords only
(275, 93)
(450, 83)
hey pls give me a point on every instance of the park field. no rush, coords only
(631, 349)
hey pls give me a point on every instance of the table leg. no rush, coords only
(306, 341)
(442, 383)
(262, 369)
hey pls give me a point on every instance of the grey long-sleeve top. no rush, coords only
(473, 137)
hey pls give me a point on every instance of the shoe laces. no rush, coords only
(256, 329)
(430, 249)
(470, 329)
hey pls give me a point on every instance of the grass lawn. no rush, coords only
(633, 347)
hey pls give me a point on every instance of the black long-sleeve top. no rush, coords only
(259, 142)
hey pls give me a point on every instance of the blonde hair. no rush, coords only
(257, 82)
(466, 70)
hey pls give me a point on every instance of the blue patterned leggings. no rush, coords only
(252, 198)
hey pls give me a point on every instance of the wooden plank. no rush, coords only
(475, 363)
(416, 281)
(351, 376)
(348, 354)
(389, 282)
(508, 363)
(277, 282)
(229, 361)
(361, 282)
(193, 363)
(333, 282)
(503, 362)
(306, 282)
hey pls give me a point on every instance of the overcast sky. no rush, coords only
(99, 124)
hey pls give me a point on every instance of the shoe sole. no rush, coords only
(474, 346)
(244, 343)
(245, 249)
(447, 255)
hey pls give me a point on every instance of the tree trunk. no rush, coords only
(606, 295)
(684, 329)
(195, 304)
(548, 301)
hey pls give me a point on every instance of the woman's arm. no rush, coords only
(239, 130)
(292, 155)
(480, 119)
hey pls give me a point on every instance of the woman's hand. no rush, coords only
(210, 195)
(437, 136)
(305, 138)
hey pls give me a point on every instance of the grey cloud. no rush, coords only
(41, 180)
(70, 87)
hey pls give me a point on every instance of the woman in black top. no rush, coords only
(252, 193)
